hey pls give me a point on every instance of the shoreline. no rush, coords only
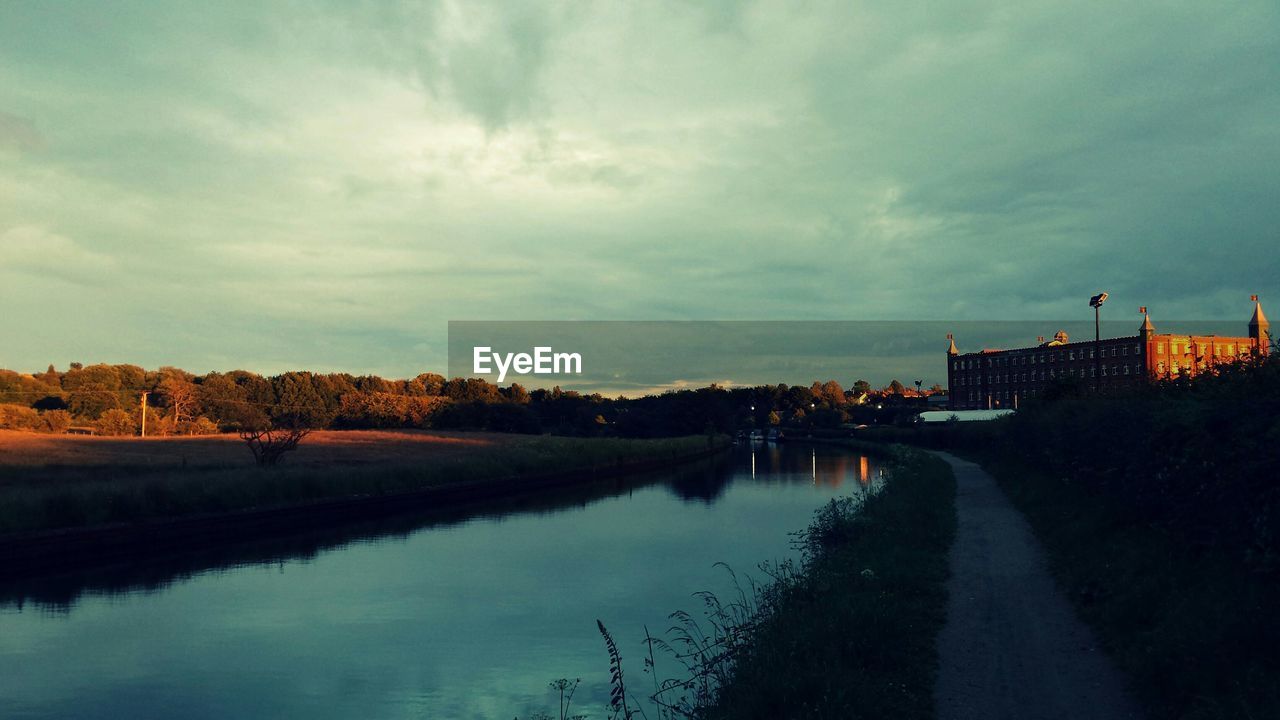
(33, 553)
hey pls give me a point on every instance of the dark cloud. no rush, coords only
(823, 160)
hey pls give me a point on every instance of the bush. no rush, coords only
(200, 426)
(20, 417)
(57, 421)
(116, 422)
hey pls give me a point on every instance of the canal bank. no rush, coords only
(369, 493)
(851, 633)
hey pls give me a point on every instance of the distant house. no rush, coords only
(81, 430)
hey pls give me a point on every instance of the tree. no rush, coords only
(896, 387)
(298, 405)
(57, 420)
(116, 422)
(432, 384)
(181, 397)
(861, 387)
(91, 401)
(832, 393)
(269, 446)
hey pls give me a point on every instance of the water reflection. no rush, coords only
(461, 614)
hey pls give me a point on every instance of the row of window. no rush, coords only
(1046, 357)
(1182, 348)
(1041, 375)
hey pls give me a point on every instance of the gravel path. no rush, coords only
(1012, 646)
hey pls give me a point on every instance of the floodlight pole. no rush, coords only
(1096, 303)
(144, 412)
(1097, 347)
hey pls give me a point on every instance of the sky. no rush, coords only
(283, 185)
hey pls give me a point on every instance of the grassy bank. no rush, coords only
(1194, 626)
(48, 497)
(851, 633)
(1160, 511)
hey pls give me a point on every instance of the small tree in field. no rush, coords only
(269, 446)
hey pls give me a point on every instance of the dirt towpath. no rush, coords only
(1012, 646)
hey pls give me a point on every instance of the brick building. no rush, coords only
(1001, 378)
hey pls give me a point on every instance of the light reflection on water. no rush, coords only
(451, 617)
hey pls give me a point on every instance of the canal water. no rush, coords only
(462, 616)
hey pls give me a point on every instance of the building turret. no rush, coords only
(952, 350)
(1147, 329)
(1259, 328)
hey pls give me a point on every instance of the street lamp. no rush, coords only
(1095, 302)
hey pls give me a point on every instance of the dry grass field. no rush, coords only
(322, 448)
(59, 481)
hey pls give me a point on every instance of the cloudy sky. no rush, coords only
(278, 185)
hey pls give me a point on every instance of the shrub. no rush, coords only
(116, 422)
(20, 417)
(57, 421)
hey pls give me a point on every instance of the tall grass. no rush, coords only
(848, 631)
(35, 498)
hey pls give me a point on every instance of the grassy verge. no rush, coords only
(1194, 627)
(852, 633)
(37, 498)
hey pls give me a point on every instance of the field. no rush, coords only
(61, 481)
(323, 448)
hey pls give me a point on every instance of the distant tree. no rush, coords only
(270, 445)
(131, 377)
(98, 376)
(472, 390)
(51, 377)
(200, 426)
(832, 393)
(181, 397)
(517, 394)
(57, 420)
(895, 387)
(298, 405)
(861, 387)
(116, 422)
(432, 384)
(92, 400)
(774, 418)
(20, 417)
(373, 384)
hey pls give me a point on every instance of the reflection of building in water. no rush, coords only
(828, 468)
(1000, 378)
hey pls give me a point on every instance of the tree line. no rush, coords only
(107, 399)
